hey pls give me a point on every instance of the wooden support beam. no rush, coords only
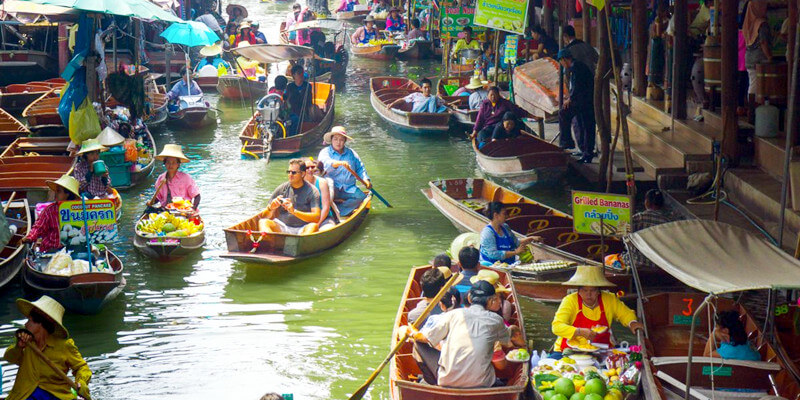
(587, 23)
(730, 126)
(639, 47)
(63, 49)
(680, 53)
(547, 17)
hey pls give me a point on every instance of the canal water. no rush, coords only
(207, 327)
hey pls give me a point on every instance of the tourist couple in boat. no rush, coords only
(318, 194)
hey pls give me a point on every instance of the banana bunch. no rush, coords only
(380, 42)
(153, 224)
(581, 343)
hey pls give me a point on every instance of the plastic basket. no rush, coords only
(114, 156)
(120, 174)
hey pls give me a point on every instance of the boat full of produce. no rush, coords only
(170, 234)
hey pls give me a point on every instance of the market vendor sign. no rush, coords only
(504, 15)
(454, 19)
(591, 211)
(101, 217)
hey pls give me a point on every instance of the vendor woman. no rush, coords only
(35, 378)
(46, 226)
(498, 242)
(589, 308)
(93, 181)
(174, 183)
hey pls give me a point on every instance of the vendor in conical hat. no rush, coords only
(586, 315)
(92, 179)
(174, 183)
(46, 227)
(44, 329)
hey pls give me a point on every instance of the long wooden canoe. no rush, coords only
(237, 87)
(403, 366)
(254, 144)
(10, 128)
(281, 248)
(524, 161)
(352, 16)
(384, 90)
(167, 248)
(193, 116)
(416, 50)
(85, 293)
(12, 256)
(16, 97)
(382, 52)
(41, 146)
(42, 115)
(667, 347)
(460, 109)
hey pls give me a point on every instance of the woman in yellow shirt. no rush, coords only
(590, 308)
(35, 379)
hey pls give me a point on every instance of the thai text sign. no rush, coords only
(454, 19)
(511, 49)
(504, 15)
(589, 208)
(101, 217)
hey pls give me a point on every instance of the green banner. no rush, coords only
(505, 15)
(454, 19)
(589, 209)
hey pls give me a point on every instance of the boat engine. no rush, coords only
(269, 108)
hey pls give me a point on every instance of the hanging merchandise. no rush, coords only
(83, 123)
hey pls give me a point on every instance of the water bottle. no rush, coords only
(444, 186)
(535, 358)
(469, 188)
(767, 117)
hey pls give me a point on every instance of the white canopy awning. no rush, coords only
(716, 258)
(272, 53)
(330, 24)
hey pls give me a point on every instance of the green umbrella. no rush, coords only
(127, 8)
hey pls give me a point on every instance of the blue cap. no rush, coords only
(482, 288)
(564, 53)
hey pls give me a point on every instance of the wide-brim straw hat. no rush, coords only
(476, 83)
(369, 18)
(244, 25)
(448, 273)
(211, 50)
(337, 130)
(243, 43)
(589, 275)
(491, 277)
(90, 145)
(172, 150)
(109, 137)
(230, 8)
(48, 307)
(67, 182)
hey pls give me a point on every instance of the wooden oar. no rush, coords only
(10, 199)
(158, 189)
(371, 189)
(363, 389)
(54, 367)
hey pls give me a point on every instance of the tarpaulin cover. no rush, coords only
(536, 87)
(128, 8)
(716, 258)
(272, 53)
(330, 24)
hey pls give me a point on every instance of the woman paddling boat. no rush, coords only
(44, 330)
(46, 227)
(174, 184)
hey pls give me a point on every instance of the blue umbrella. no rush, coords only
(190, 33)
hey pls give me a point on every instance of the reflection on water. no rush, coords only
(207, 327)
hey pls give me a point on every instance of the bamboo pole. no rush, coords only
(496, 56)
(790, 136)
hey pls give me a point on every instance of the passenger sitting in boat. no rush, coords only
(468, 258)
(46, 227)
(245, 35)
(174, 183)
(491, 113)
(498, 242)
(212, 57)
(93, 179)
(394, 22)
(468, 337)
(248, 68)
(337, 158)
(466, 42)
(442, 260)
(423, 102)
(299, 100)
(314, 176)
(294, 205)
(347, 5)
(279, 87)
(431, 283)
(260, 38)
(729, 339)
(35, 378)
(507, 129)
(506, 309)
(180, 88)
(589, 312)
(416, 33)
(365, 33)
(478, 92)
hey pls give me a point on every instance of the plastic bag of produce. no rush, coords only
(79, 267)
(131, 154)
(60, 264)
(83, 122)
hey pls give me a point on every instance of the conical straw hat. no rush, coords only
(90, 145)
(109, 137)
(172, 150)
(589, 275)
(67, 182)
(48, 307)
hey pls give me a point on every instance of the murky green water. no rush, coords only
(206, 327)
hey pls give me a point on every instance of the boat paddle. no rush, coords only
(153, 199)
(420, 320)
(371, 189)
(50, 364)
(8, 204)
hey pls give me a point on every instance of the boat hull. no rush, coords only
(380, 53)
(385, 90)
(523, 162)
(168, 249)
(193, 117)
(207, 83)
(416, 50)
(12, 256)
(352, 16)
(236, 87)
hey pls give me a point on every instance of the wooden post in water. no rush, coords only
(167, 64)
(63, 48)
(729, 49)
(602, 111)
(496, 56)
(587, 23)
(679, 58)
(639, 47)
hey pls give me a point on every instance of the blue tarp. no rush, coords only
(75, 72)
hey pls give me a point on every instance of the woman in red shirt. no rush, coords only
(46, 226)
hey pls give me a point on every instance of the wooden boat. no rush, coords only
(42, 115)
(381, 52)
(281, 248)
(416, 50)
(15, 97)
(24, 65)
(193, 114)
(140, 175)
(524, 161)
(10, 128)
(403, 367)
(158, 108)
(83, 293)
(168, 248)
(462, 69)
(384, 90)
(207, 83)
(341, 57)
(667, 347)
(40, 146)
(311, 132)
(352, 16)
(238, 87)
(12, 256)
(458, 105)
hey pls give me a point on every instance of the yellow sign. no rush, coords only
(601, 213)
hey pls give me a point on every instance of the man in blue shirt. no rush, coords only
(336, 157)
(260, 38)
(468, 257)
(181, 89)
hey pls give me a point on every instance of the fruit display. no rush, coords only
(376, 42)
(581, 343)
(518, 355)
(169, 225)
(180, 204)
